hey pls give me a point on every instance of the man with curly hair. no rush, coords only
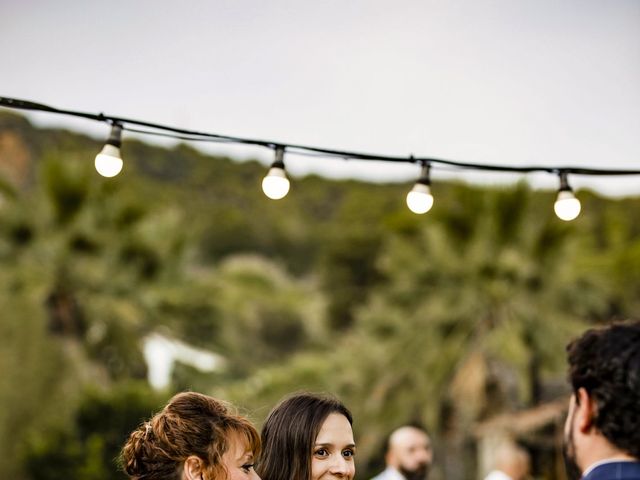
(602, 431)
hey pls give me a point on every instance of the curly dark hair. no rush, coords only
(606, 363)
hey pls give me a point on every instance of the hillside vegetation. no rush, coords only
(446, 319)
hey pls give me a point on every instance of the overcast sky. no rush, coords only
(547, 82)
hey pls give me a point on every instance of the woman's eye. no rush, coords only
(322, 452)
(247, 467)
(348, 453)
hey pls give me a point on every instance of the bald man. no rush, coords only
(409, 455)
(511, 463)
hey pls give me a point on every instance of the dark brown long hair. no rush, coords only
(290, 432)
(190, 424)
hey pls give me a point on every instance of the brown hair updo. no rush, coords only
(190, 424)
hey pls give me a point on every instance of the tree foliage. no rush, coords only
(444, 319)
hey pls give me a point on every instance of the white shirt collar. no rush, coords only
(393, 474)
(497, 475)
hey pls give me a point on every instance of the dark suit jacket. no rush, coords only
(615, 471)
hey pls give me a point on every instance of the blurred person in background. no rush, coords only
(602, 430)
(409, 455)
(308, 437)
(194, 437)
(511, 463)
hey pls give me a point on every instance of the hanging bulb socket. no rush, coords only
(108, 162)
(275, 184)
(567, 206)
(419, 199)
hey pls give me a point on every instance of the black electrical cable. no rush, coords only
(192, 135)
(175, 135)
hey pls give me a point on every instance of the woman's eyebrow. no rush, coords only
(329, 444)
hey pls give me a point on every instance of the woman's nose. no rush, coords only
(341, 466)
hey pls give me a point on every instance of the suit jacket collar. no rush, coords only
(613, 470)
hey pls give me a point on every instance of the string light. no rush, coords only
(567, 206)
(109, 161)
(276, 185)
(419, 199)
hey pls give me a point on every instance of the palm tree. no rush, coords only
(475, 310)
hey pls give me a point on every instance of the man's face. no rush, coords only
(569, 446)
(411, 453)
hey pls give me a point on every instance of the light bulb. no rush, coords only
(567, 206)
(419, 199)
(109, 162)
(276, 184)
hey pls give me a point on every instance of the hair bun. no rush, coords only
(137, 451)
(190, 424)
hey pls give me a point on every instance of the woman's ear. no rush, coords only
(193, 468)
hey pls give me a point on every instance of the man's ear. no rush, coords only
(586, 410)
(193, 468)
(389, 458)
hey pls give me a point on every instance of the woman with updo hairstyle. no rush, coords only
(308, 437)
(194, 437)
